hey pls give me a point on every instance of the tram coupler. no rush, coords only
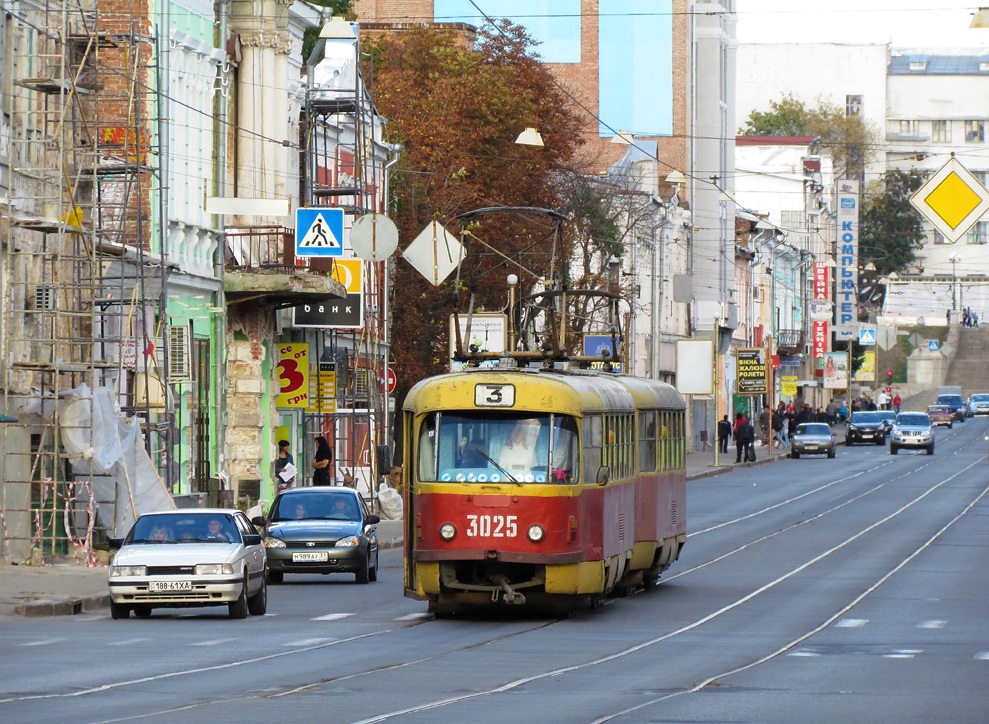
(508, 594)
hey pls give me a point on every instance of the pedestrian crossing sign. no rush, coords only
(867, 336)
(318, 232)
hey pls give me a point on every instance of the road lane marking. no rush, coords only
(214, 642)
(851, 623)
(932, 624)
(127, 642)
(43, 642)
(301, 643)
(331, 617)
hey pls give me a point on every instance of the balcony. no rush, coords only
(261, 266)
(790, 342)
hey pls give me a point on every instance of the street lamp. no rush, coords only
(953, 258)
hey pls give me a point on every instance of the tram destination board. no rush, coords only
(752, 371)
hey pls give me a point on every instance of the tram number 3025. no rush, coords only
(492, 526)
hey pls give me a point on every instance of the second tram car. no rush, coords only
(545, 487)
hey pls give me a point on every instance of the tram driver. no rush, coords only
(519, 453)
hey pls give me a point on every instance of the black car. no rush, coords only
(865, 426)
(320, 530)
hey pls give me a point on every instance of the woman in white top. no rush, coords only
(518, 455)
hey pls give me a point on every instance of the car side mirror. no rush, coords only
(604, 475)
(258, 520)
(115, 543)
(372, 519)
(252, 539)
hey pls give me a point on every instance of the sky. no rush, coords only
(904, 23)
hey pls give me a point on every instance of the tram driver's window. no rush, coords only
(427, 449)
(566, 455)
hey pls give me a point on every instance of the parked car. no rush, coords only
(865, 426)
(912, 430)
(941, 415)
(320, 530)
(889, 417)
(956, 403)
(812, 438)
(979, 403)
(184, 558)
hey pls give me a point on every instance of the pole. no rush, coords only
(717, 422)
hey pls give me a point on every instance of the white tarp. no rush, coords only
(93, 431)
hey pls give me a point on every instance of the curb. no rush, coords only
(63, 606)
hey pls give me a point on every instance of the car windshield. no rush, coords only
(858, 417)
(813, 428)
(980, 398)
(316, 506)
(938, 408)
(185, 528)
(950, 400)
(917, 418)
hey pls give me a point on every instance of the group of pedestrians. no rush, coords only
(970, 318)
(776, 428)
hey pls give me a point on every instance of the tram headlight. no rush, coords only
(535, 533)
(448, 531)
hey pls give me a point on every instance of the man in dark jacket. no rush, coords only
(743, 441)
(724, 433)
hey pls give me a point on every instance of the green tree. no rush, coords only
(457, 108)
(891, 229)
(849, 140)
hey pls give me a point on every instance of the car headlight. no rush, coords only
(448, 531)
(128, 570)
(351, 541)
(214, 569)
(535, 533)
(270, 542)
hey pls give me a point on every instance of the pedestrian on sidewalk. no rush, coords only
(897, 401)
(743, 441)
(724, 433)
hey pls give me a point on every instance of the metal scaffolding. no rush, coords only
(83, 273)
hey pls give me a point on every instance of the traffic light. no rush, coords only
(889, 375)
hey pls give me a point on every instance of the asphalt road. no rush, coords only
(810, 590)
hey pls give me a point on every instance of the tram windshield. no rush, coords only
(484, 448)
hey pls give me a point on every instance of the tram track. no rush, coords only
(549, 673)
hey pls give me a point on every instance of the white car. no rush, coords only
(978, 404)
(186, 558)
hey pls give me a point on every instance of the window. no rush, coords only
(940, 132)
(918, 65)
(648, 434)
(853, 105)
(975, 131)
(978, 233)
(909, 128)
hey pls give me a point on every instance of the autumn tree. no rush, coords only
(849, 139)
(891, 229)
(456, 107)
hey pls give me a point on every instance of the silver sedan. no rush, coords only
(812, 438)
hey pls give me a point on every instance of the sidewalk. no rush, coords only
(67, 589)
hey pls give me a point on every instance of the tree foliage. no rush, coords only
(891, 229)
(457, 110)
(849, 140)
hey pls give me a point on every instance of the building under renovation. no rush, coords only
(143, 327)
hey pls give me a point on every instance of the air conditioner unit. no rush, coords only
(179, 358)
(45, 296)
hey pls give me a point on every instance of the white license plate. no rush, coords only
(169, 586)
(310, 557)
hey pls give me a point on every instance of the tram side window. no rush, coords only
(647, 441)
(593, 439)
(565, 450)
(427, 449)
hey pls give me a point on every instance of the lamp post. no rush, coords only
(953, 258)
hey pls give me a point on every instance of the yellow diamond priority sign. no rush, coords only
(952, 199)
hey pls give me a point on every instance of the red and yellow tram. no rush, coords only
(548, 487)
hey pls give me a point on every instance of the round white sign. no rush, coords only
(374, 237)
